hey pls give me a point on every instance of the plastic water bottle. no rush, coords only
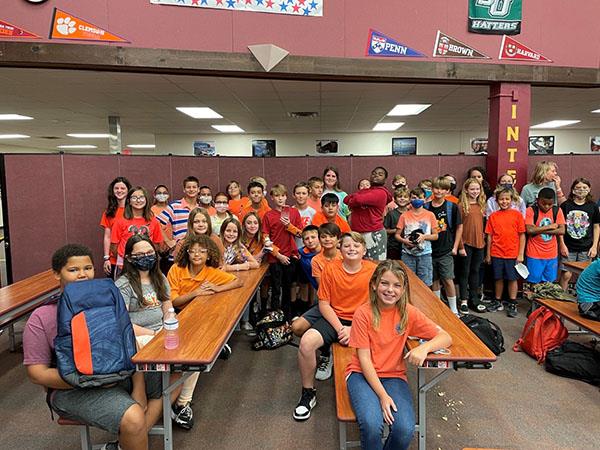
(171, 326)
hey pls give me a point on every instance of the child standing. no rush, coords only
(415, 230)
(117, 192)
(221, 212)
(582, 230)
(205, 199)
(505, 181)
(543, 222)
(329, 213)
(257, 202)
(505, 231)
(401, 200)
(281, 225)
(306, 282)
(236, 256)
(315, 191)
(443, 250)
(236, 199)
(471, 207)
(376, 376)
(306, 212)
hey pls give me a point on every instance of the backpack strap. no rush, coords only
(536, 213)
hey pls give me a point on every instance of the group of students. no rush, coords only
(323, 272)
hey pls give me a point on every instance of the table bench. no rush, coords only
(466, 352)
(569, 311)
(205, 326)
(576, 267)
(19, 299)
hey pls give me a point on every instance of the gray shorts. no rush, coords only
(443, 267)
(102, 407)
(573, 257)
(312, 315)
(319, 323)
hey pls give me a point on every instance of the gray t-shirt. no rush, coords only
(530, 192)
(149, 313)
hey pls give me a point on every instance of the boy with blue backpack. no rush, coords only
(119, 407)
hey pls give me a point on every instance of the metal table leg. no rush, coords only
(422, 400)
(167, 425)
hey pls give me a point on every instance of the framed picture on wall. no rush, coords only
(479, 146)
(205, 148)
(326, 146)
(595, 144)
(541, 145)
(404, 146)
(263, 147)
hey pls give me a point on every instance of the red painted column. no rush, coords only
(508, 138)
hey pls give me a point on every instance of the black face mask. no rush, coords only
(145, 263)
(452, 187)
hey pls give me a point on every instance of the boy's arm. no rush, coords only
(457, 239)
(488, 249)
(330, 316)
(46, 376)
(594, 249)
(521, 256)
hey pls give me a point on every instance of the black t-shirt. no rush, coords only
(445, 240)
(389, 222)
(579, 228)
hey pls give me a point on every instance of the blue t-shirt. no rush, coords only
(305, 263)
(588, 284)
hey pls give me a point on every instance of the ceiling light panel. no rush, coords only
(89, 135)
(555, 124)
(14, 117)
(228, 128)
(199, 113)
(408, 110)
(13, 136)
(387, 126)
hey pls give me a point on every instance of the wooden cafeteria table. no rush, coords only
(576, 266)
(569, 311)
(205, 326)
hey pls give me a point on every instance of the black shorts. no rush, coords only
(325, 329)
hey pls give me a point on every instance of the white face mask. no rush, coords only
(161, 197)
(205, 199)
(221, 208)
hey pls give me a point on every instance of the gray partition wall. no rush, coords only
(55, 199)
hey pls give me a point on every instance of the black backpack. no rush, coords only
(487, 331)
(272, 331)
(573, 360)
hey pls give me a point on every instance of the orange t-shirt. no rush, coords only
(264, 207)
(319, 262)
(452, 198)
(314, 204)
(344, 291)
(182, 282)
(235, 206)
(386, 344)
(543, 246)
(123, 229)
(504, 227)
(319, 219)
(107, 222)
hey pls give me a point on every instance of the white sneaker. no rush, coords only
(324, 368)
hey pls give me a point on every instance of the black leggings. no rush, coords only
(469, 276)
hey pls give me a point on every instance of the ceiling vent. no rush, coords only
(303, 114)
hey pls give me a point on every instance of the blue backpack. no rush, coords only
(95, 340)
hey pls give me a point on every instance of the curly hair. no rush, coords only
(214, 255)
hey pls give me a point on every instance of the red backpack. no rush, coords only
(543, 332)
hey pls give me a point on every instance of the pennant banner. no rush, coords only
(293, 7)
(10, 31)
(381, 45)
(448, 47)
(67, 26)
(513, 49)
(495, 16)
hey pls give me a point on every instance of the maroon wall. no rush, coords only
(54, 199)
(341, 32)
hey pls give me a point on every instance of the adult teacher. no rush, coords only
(544, 175)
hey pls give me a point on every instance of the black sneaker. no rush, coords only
(183, 416)
(511, 310)
(463, 308)
(225, 352)
(495, 306)
(307, 402)
(114, 445)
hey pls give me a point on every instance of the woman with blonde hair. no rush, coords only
(544, 175)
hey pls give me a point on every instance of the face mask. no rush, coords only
(427, 193)
(417, 202)
(221, 208)
(507, 185)
(161, 197)
(452, 186)
(144, 263)
(398, 186)
(205, 199)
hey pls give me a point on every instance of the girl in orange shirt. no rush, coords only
(117, 193)
(236, 200)
(199, 223)
(376, 376)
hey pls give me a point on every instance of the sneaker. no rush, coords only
(245, 326)
(495, 306)
(111, 446)
(226, 352)
(463, 308)
(511, 310)
(307, 402)
(324, 368)
(183, 416)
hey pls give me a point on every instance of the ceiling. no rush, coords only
(68, 101)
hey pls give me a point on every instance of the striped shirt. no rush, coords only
(176, 215)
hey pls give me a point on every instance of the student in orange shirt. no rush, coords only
(505, 231)
(376, 376)
(196, 273)
(315, 191)
(344, 287)
(257, 203)
(117, 192)
(236, 199)
(329, 213)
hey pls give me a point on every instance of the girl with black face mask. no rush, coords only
(144, 288)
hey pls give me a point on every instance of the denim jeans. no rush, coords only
(370, 417)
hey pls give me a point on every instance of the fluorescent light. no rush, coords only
(556, 124)
(228, 128)
(76, 146)
(408, 110)
(596, 111)
(141, 146)
(13, 136)
(387, 126)
(199, 113)
(14, 117)
(89, 135)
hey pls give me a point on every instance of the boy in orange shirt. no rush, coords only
(505, 246)
(330, 205)
(257, 202)
(344, 287)
(315, 191)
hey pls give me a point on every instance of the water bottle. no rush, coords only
(171, 326)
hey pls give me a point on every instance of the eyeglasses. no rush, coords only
(221, 203)
(585, 189)
(135, 198)
(201, 251)
(141, 255)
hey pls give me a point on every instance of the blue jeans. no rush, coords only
(370, 417)
(421, 265)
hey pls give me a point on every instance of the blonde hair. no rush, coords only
(355, 236)
(398, 271)
(539, 173)
(464, 196)
(278, 189)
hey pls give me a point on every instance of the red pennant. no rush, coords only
(8, 30)
(514, 50)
